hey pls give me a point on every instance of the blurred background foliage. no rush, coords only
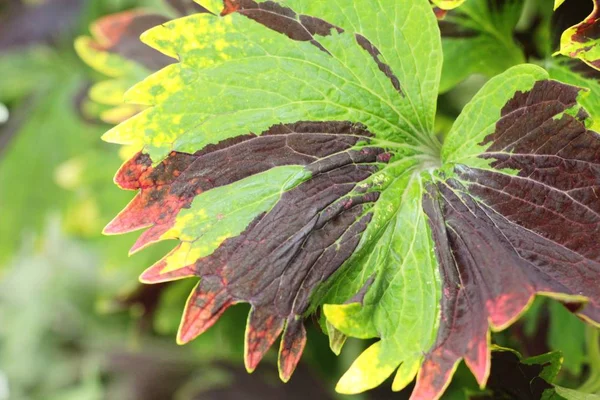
(74, 322)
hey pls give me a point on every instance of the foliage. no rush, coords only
(406, 175)
(477, 38)
(292, 153)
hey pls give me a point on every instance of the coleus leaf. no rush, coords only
(506, 216)
(581, 40)
(116, 51)
(291, 152)
(477, 38)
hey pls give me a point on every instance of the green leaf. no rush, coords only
(551, 325)
(570, 394)
(478, 119)
(400, 306)
(566, 334)
(230, 100)
(371, 95)
(477, 38)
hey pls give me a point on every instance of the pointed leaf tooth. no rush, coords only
(109, 92)
(350, 319)
(159, 86)
(229, 7)
(433, 380)
(164, 271)
(207, 302)
(211, 6)
(405, 374)
(131, 218)
(162, 39)
(478, 359)
(507, 308)
(369, 370)
(107, 63)
(127, 132)
(120, 113)
(336, 338)
(447, 4)
(292, 346)
(131, 173)
(152, 235)
(263, 328)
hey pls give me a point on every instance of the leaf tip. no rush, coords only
(250, 363)
(229, 7)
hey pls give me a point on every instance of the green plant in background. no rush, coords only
(70, 351)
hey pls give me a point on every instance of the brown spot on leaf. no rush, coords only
(383, 67)
(282, 19)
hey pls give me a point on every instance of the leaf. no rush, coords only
(580, 74)
(567, 333)
(319, 146)
(116, 51)
(548, 24)
(581, 40)
(292, 153)
(513, 377)
(570, 394)
(550, 326)
(565, 69)
(497, 222)
(477, 38)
